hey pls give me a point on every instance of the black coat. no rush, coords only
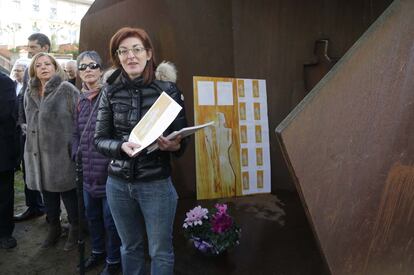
(8, 137)
(21, 119)
(121, 106)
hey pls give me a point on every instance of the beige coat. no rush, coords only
(50, 124)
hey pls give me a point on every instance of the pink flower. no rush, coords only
(221, 222)
(195, 216)
(221, 208)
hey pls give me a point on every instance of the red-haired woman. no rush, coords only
(139, 189)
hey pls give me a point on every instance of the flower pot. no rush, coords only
(204, 247)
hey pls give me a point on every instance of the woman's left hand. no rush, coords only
(169, 145)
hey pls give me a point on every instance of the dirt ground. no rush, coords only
(28, 258)
(276, 240)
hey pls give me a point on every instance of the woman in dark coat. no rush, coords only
(140, 192)
(104, 237)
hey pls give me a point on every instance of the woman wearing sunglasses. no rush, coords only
(105, 242)
(50, 105)
(140, 192)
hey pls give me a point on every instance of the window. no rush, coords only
(35, 28)
(53, 13)
(73, 9)
(35, 6)
(16, 4)
(53, 9)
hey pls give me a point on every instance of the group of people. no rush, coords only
(130, 201)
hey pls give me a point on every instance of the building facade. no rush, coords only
(58, 19)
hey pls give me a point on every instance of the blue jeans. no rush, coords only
(101, 224)
(144, 207)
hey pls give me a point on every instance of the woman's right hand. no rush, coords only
(129, 148)
(23, 126)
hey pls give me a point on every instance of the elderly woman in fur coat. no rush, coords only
(50, 107)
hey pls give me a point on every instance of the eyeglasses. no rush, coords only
(92, 66)
(34, 47)
(135, 51)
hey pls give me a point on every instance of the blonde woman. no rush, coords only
(50, 107)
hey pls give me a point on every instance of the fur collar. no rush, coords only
(165, 71)
(50, 87)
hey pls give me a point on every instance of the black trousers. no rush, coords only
(6, 203)
(52, 204)
(34, 199)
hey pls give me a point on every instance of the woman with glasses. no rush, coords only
(140, 192)
(50, 105)
(105, 241)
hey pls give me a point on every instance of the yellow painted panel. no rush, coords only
(258, 133)
(259, 156)
(217, 147)
(256, 88)
(242, 109)
(260, 179)
(256, 107)
(240, 87)
(246, 185)
(245, 157)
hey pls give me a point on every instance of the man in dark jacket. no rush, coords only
(38, 42)
(71, 71)
(8, 159)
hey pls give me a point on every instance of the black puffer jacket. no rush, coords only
(121, 106)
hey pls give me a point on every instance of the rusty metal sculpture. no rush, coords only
(350, 148)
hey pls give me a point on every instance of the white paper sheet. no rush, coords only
(256, 116)
(151, 126)
(205, 93)
(225, 93)
(184, 132)
(248, 88)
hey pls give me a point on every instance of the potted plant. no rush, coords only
(211, 231)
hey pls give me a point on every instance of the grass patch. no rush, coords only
(19, 197)
(18, 181)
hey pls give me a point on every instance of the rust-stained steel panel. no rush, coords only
(235, 38)
(350, 147)
(195, 35)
